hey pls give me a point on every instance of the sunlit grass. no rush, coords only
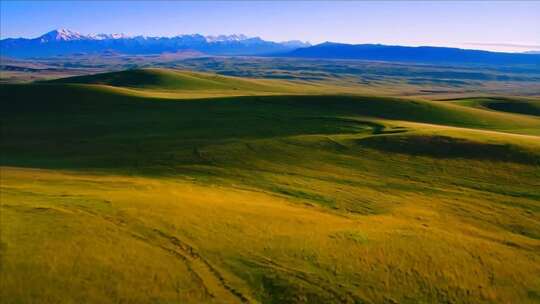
(88, 230)
(115, 194)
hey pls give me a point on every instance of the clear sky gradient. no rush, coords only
(490, 25)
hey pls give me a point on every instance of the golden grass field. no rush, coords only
(109, 195)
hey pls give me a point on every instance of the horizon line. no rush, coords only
(526, 47)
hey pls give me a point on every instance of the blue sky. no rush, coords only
(492, 25)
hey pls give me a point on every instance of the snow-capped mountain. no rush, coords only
(65, 42)
(61, 35)
(107, 36)
(226, 38)
(67, 35)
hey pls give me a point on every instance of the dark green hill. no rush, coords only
(511, 105)
(166, 79)
(101, 127)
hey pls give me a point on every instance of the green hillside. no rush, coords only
(116, 195)
(174, 80)
(526, 106)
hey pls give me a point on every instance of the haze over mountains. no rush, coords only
(66, 42)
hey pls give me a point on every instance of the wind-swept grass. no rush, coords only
(115, 196)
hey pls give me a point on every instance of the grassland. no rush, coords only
(360, 77)
(143, 186)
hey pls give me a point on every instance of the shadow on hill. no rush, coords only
(510, 105)
(73, 125)
(514, 107)
(449, 147)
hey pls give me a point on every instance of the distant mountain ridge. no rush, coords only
(64, 42)
(427, 54)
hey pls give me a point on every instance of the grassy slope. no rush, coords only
(166, 83)
(526, 106)
(265, 199)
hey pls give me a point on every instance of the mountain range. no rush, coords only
(426, 54)
(65, 42)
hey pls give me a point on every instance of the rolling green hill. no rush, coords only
(167, 80)
(112, 192)
(164, 79)
(512, 105)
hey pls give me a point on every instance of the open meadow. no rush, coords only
(170, 186)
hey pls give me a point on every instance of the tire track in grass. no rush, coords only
(208, 276)
(214, 281)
